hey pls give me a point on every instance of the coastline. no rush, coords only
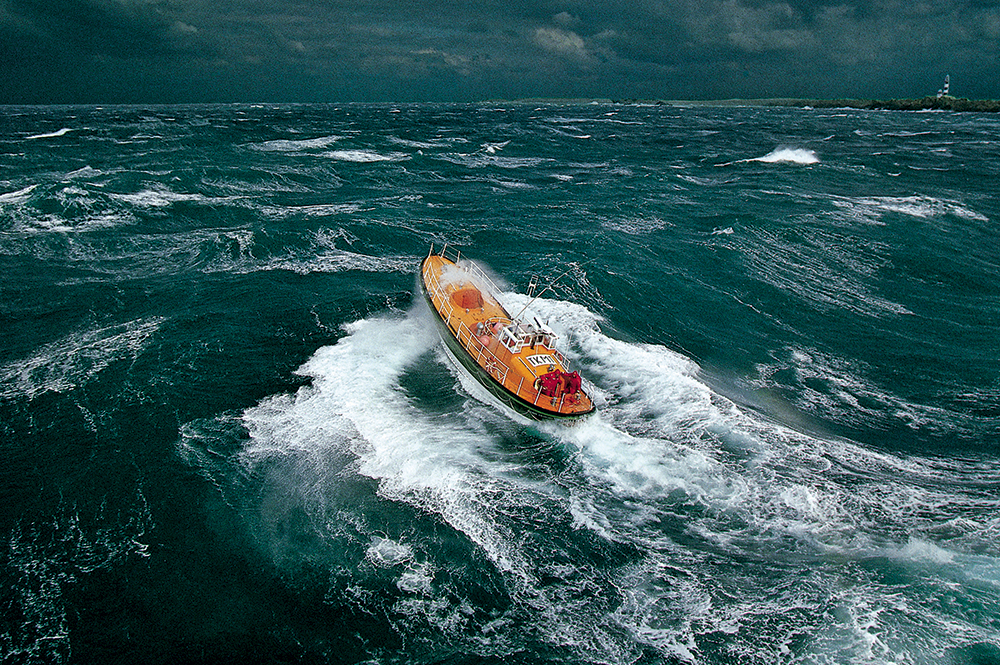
(929, 103)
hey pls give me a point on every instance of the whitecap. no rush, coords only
(51, 135)
(297, 145)
(74, 360)
(791, 155)
(492, 148)
(422, 145)
(366, 156)
(481, 160)
(924, 207)
(158, 197)
(386, 553)
(919, 549)
(20, 196)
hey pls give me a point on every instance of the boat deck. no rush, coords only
(515, 355)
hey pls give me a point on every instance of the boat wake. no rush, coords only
(612, 540)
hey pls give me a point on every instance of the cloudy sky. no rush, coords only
(166, 51)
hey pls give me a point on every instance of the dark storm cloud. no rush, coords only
(312, 50)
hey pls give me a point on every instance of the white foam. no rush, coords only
(789, 155)
(663, 447)
(430, 463)
(18, 197)
(387, 553)
(489, 159)
(51, 135)
(158, 197)
(919, 549)
(72, 361)
(297, 145)
(366, 156)
(425, 145)
(923, 207)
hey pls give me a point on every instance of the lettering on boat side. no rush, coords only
(541, 359)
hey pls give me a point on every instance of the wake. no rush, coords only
(606, 538)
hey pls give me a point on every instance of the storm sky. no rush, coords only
(179, 51)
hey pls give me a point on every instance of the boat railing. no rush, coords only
(496, 367)
(447, 308)
(437, 294)
(478, 275)
(483, 355)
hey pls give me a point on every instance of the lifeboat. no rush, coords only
(515, 360)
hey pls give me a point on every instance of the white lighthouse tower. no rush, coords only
(944, 91)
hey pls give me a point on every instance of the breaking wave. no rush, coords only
(72, 361)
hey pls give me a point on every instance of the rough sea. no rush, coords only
(230, 434)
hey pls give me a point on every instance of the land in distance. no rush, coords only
(930, 103)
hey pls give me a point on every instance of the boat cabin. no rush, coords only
(516, 336)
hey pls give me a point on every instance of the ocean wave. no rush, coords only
(636, 226)
(74, 360)
(821, 265)
(158, 197)
(50, 135)
(427, 145)
(297, 145)
(786, 155)
(18, 197)
(664, 457)
(924, 207)
(841, 391)
(324, 255)
(485, 160)
(366, 156)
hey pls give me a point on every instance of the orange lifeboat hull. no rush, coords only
(517, 362)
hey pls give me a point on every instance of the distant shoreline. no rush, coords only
(944, 103)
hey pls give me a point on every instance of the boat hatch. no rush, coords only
(469, 298)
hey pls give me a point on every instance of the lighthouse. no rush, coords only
(944, 91)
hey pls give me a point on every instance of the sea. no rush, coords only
(230, 432)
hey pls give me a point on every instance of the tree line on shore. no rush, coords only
(929, 103)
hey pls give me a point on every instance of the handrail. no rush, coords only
(474, 270)
(473, 343)
(465, 336)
